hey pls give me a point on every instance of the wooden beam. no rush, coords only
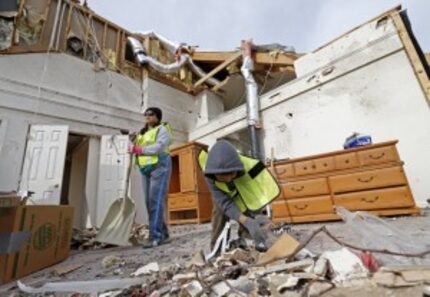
(217, 69)
(211, 57)
(275, 59)
(221, 84)
(412, 54)
(259, 57)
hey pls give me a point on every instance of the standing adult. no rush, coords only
(151, 149)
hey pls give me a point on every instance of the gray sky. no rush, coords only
(221, 24)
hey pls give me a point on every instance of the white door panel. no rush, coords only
(44, 163)
(113, 164)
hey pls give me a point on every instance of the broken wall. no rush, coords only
(361, 82)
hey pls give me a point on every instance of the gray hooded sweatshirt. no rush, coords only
(223, 158)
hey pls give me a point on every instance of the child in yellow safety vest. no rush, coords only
(151, 149)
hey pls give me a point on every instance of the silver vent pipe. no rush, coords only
(143, 59)
(252, 100)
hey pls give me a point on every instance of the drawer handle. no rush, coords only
(364, 199)
(301, 207)
(280, 172)
(190, 200)
(297, 189)
(363, 180)
(376, 157)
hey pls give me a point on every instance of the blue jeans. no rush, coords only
(155, 187)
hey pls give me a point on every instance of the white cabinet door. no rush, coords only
(112, 170)
(44, 163)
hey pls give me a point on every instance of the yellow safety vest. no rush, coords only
(149, 138)
(254, 189)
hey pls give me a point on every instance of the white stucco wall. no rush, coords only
(362, 82)
(58, 89)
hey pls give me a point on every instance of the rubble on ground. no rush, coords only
(85, 239)
(287, 269)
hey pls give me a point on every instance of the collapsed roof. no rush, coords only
(30, 26)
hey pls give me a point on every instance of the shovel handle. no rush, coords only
(127, 177)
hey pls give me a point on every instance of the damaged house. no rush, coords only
(71, 88)
(74, 85)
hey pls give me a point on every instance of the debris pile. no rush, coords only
(85, 239)
(286, 269)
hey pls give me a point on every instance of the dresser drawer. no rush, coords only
(377, 199)
(378, 155)
(283, 171)
(279, 209)
(310, 205)
(346, 161)
(324, 164)
(304, 167)
(378, 178)
(311, 187)
(183, 201)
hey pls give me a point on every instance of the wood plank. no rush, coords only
(412, 54)
(105, 27)
(68, 26)
(218, 68)
(285, 59)
(280, 59)
(221, 84)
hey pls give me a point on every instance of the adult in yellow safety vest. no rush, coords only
(240, 187)
(151, 150)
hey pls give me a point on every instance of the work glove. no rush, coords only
(135, 150)
(254, 229)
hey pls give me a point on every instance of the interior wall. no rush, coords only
(179, 109)
(76, 194)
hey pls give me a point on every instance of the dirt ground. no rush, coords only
(189, 239)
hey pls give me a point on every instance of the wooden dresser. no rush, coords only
(189, 199)
(369, 178)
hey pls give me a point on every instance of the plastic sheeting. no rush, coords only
(375, 233)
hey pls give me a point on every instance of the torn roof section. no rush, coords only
(66, 26)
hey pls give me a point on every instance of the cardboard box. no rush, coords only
(33, 237)
(9, 199)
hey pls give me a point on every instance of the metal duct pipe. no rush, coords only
(252, 105)
(143, 59)
(168, 44)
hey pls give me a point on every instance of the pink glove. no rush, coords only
(135, 149)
